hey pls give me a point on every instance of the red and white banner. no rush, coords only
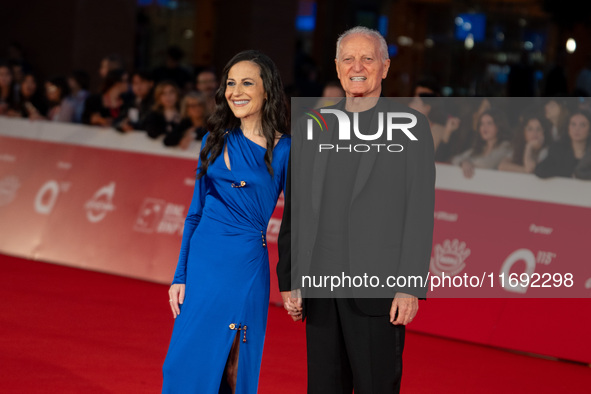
(96, 199)
(99, 205)
(530, 243)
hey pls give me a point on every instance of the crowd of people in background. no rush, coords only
(550, 138)
(547, 137)
(166, 103)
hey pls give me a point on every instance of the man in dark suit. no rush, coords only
(357, 213)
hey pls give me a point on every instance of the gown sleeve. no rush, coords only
(191, 222)
(283, 267)
(285, 166)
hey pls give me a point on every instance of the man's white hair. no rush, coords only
(367, 32)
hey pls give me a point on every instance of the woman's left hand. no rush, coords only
(176, 295)
(293, 306)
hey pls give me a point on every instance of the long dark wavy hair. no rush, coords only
(503, 132)
(275, 115)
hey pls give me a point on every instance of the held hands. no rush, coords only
(407, 306)
(176, 293)
(293, 305)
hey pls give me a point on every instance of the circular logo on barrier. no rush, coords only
(101, 203)
(8, 189)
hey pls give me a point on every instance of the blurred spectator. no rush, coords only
(30, 103)
(584, 103)
(484, 106)
(583, 169)
(107, 108)
(18, 75)
(165, 117)
(16, 56)
(530, 145)
(78, 82)
(490, 147)
(583, 83)
(305, 73)
(557, 113)
(18, 66)
(566, 155)
(331, 94)
(61, 106)
(333, 89)
(140, 101)
(442, 126)
(521, 79)
(459, 132)
(192, 126)
(207, 84)
(427, 85)
(172, 69)
(6, 88)
(556, 83)
(109, 63)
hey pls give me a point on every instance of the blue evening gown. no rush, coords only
(225, 265)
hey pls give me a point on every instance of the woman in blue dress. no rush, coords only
(220, 292)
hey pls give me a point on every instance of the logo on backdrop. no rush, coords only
(446, 216)
(449, 257)
(48, 194)
(7, 158)
(345, 127)
(100, 204)
(158, 216)
(8, 189)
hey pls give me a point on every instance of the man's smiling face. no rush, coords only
(360, 66)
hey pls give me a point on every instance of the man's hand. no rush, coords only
(407, 306)
(293, 305)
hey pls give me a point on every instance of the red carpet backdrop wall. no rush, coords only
(99, 200)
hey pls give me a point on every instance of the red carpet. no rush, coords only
(65, 330)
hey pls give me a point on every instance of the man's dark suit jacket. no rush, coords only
(390, 214)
